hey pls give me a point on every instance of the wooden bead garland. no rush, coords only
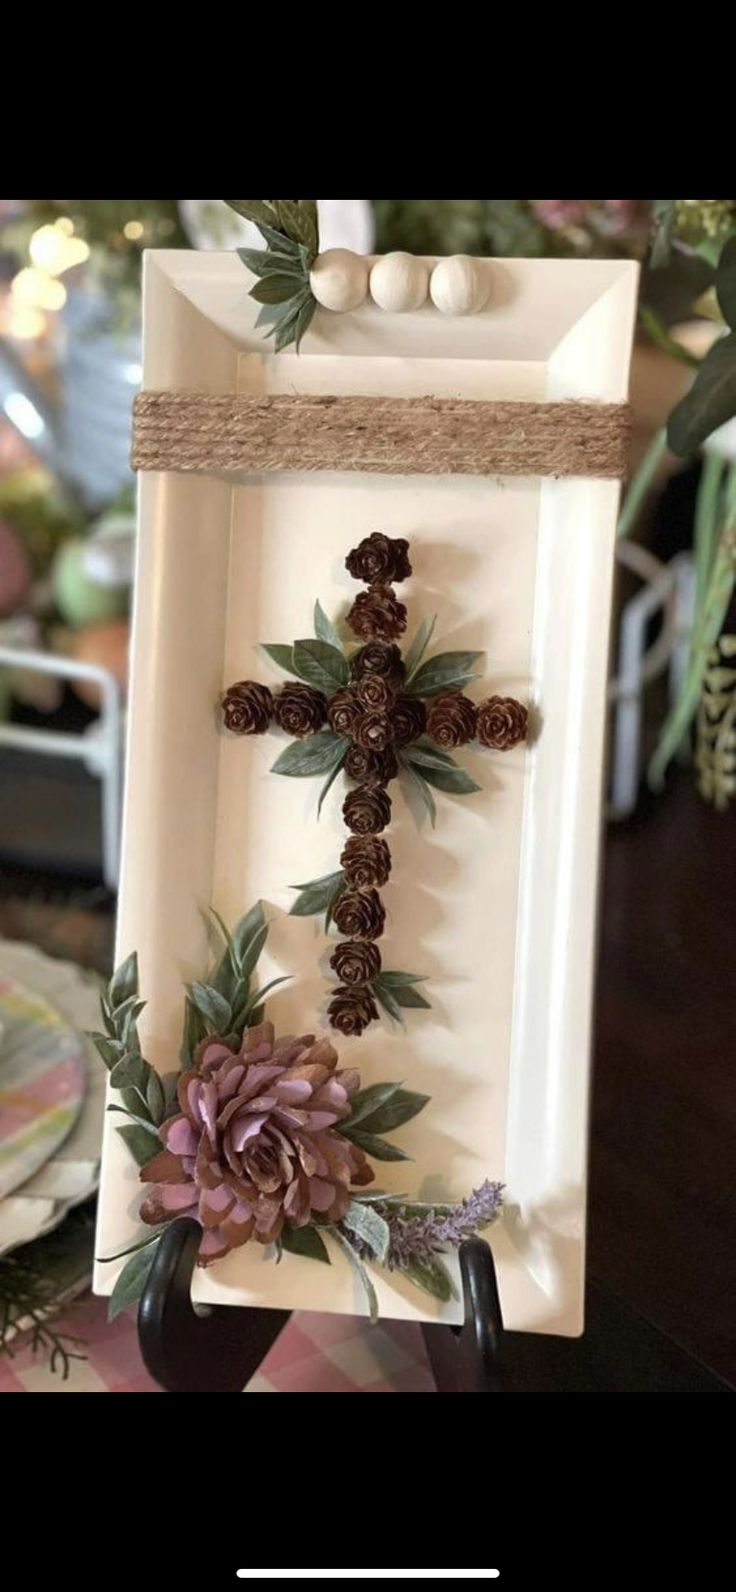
(339, 279)
(459, 285)
(400, 282)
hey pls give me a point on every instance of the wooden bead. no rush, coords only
(339, 279)
(460, 285)
(399, 282)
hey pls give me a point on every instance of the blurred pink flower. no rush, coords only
(559, 213)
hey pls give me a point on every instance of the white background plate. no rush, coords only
(498, 905)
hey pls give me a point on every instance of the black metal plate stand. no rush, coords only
(218, 1349)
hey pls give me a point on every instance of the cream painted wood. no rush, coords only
(498, 904)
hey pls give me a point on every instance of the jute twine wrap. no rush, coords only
(387, 436)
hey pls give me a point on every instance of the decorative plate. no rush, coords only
(42, 1082)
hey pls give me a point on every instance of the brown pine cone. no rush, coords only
(371, 768)
(356, 961)
(360, 914)
(366, 860)
(374, 732)
(379, 657)
(299, 709)
(379, 558)
(247, 708)
(367, 810)
(502, 723)
(451, 720)
(377, 614)
(374, 693)
(344, 711)
(352, 1008)
(408, 719)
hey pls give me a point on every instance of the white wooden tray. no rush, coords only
(498, 904)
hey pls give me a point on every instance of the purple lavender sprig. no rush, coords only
(417, 1237)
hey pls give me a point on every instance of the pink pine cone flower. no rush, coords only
(254, 1146)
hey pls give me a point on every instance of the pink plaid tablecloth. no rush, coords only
(313, 1354)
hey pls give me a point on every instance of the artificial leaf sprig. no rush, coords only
(375, 713)
(290, 230)
(262, 1140)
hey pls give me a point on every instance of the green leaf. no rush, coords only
(400, 1108)
(304, 318)
(315, 897)
(358, 1266)
(131, 1282)
(710, 402)
(130, 1072)
(320, 664)
(143, 1143)
(257, 210)
(291, 328)
(407, 996)
(298, 222)
(368, 1225)
(305, 1241)
(330, 780)
(109, 1049)
(394, 976)
(379, 1149)
(132, 1249)
(316, 754)
(124, 982)
(245, 934)
(260, 995)
(191, 1034)
(448, 671)
(142, 1122)
(278, 241)
(416, 778)
(332, 903)
(367, 1100)
(388, 1001)
(726, 283)
(266, 262)
(424, 751)
(432, 1277)
(282, 655)
(454, 780)
(418, 647)
(277, 288)
(324, 629)
(155, 1098)
(213, 1007)
(663, 211)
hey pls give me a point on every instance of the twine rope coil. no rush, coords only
(199, 432)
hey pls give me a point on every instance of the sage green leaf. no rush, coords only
(726, 283)
(710, 402)
(134, 1100)
(257, 210)
(418, 647)
(379, 1149)
(424, 752)
(268, 315)
(130, 1072)
(663, 211)
(432, 1277)
(400, 1108)
(278, 241)
(266, 262)
(142, 1122)
(277, 288)
(132, 1249)
(358, 1267)
(448, 671)
(260, 995)
(297, 222)
(367, 1100)
(407, 996)
(368, 1225)
(143, 1143)
(124, 982)
(416, 778)
(332, 903)
(320, 664)
(315, 897)
(155, 1098)
(324, 629)
(215, 1010)
(316, 754)
(282, 655)
(330, 780)
(453, 780)
(394, 976)
(304, 318)
(110, 1050)
(292, 329)
(244, 936)
(387, 999)
(306, 1241)
(131, 1282)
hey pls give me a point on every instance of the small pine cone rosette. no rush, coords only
(371, 768)
(367, 810)
(452, 720)
(356, 961)
(366, 861)
(381, 658)
(377, 615)
(502, 723)
(379, 559)
(247, 708)
(360, 914)
(299, 709)
(352, 1008)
